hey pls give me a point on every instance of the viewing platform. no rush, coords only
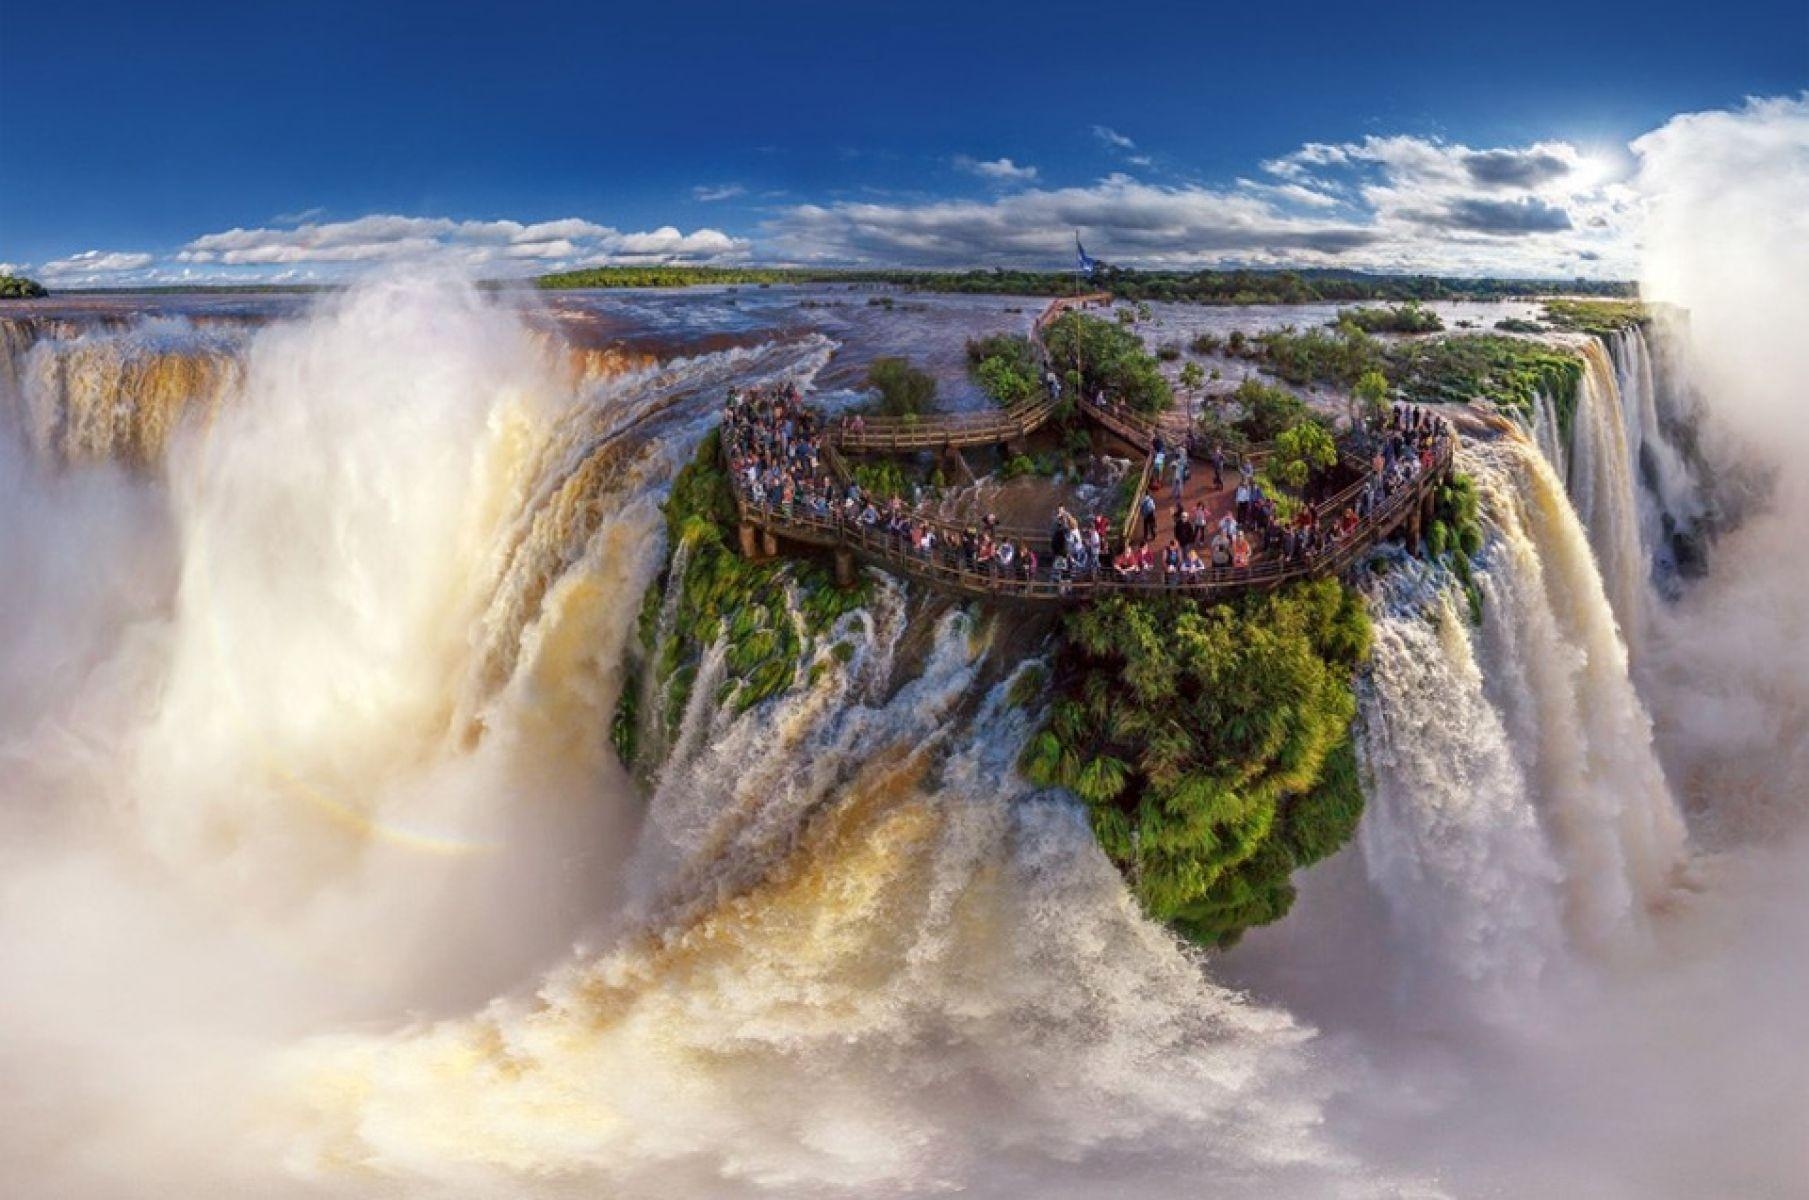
(1392, 506)
(763, 526)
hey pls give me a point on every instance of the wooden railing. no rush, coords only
(891, 435)
(946, 566)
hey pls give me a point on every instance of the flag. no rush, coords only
(1080, 251)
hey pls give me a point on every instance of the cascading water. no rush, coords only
(1520, 810)
(115, 394)
(1603, 489)
(1548, 432)
(1451, 836)
(308, 783)
(349, 759)
(828, 887)
(1671, 502)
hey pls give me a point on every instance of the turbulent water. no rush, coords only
(321, 876)
(1520, 811)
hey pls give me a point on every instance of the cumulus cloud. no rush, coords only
(1124, 219)
(710, 193)
(1386, 203)
(1506, 218)
(504, 246)
(1518, 168)
(95, 267)
(1518, 209)
(998, 170)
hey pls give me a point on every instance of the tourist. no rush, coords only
(1147, 510)
(1221, 550)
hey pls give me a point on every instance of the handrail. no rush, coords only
(893, 434)
(944, 566)
(945, 569)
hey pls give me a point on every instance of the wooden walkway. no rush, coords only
(946, 569)
(893, 435)
(1408, 507)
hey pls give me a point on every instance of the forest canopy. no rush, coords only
(1211, 745)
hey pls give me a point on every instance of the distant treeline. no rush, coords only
(1189, 287)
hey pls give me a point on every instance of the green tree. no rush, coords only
(904, 391)
(1006, 367)
(1267, 410)
(1211, 745)
(1193, 377)
(17, 287)
(1369, 398)
(1108, 358)
(1300, 450)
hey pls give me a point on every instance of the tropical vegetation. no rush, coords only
(1006, 367)
(1600, 317)
(17, 287)
(721, 594)
(904, 390)
(1399, 318)
(1211, 745)
(1092, 356)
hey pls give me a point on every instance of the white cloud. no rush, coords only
(998, 170)
(503, 246)
(297, 218)
(95, 267)
(1113, 138)
(1386, 203)
(710, 193)
(1123, 219)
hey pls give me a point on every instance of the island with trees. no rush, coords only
(18, 287)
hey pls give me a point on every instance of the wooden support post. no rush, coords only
(769, 543)
(844, 567)
(1413, 530)
(750, 548)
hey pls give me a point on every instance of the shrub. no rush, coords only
(903, 389)
(1211, 745)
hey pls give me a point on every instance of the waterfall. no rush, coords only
(1475, 735)
(1670, 496)
(342, 758)
(1451, 836)
(847, 899)
(117, 394)
(1548, 432)
(1603, 485)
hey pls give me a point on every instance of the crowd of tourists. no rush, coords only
(774, 448)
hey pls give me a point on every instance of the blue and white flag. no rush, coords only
(1080, 251)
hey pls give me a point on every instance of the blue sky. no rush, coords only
(142, 142)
